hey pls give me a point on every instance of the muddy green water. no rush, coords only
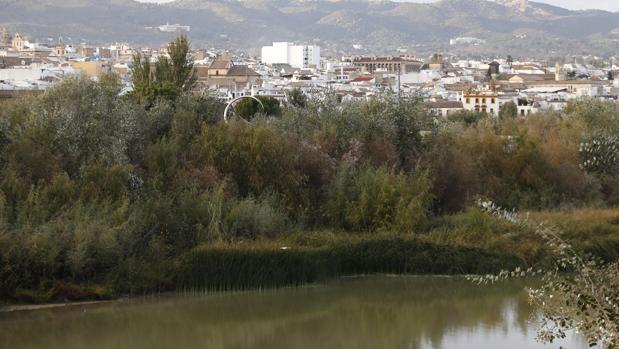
(369, 312)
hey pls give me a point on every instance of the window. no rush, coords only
(476, 100)
(491, 110)
(492, 100)
(483, 100)
(522, 112)
(468, 101)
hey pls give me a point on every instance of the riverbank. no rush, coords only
(30, 307)
(305, 257)
(471, 242)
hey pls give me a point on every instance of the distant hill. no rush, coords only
(508, 26)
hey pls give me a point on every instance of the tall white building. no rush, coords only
(298, 56)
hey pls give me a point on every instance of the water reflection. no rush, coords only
(373, 312)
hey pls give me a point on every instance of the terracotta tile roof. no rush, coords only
(362, 79)
(445, 104)
(568, 82)
(241, 70)
(221, 64)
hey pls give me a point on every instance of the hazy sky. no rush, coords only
(610, 5)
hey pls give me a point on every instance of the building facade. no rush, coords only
(18, 42)
(484, 102)
(298, 56)
(388, 64)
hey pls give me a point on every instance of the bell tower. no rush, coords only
(5, 37)
(18, 42)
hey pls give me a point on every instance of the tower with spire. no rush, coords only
(5, 37)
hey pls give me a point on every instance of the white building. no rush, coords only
(466, 41)
(298, 56)
(172, 28)
(35, 73)
(486, 102)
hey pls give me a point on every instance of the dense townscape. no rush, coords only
(447, 84)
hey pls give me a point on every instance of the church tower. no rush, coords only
(18, 42)
(5, 37)
(559, 72)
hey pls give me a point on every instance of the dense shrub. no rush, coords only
(97, 188)
(250, 218)
(379, 199)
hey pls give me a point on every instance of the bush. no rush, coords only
(97, 188)
(380, 199)
(250, 219)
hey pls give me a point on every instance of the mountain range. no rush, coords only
(516, 27)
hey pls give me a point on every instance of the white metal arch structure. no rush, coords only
(230, 104)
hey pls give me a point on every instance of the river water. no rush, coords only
(368, 312)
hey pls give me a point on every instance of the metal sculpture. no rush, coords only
(231, 105)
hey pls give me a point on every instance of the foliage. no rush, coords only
(251, 219)
(247, 108)
(466, 117)
(98, 189)
(297, 99)
(508, 110)
(599, 154)
(168, 78)
(600, 118)
(578, 293)
(379, 199)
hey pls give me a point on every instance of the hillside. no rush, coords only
(382, 26)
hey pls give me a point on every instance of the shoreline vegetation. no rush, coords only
(479, 244)
(104, 195)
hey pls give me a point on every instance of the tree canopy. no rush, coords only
(168, 78)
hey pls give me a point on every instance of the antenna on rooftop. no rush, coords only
(399, 81)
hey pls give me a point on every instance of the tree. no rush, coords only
(271, 106)
(599, 154)
(489, 73)
(297, 98)
(436, 58)
(610, 75)
(571, 75)
(181, 64)
(141, 79)
(508, 110)
(169, 77)
(510, 60)
(248, 107)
